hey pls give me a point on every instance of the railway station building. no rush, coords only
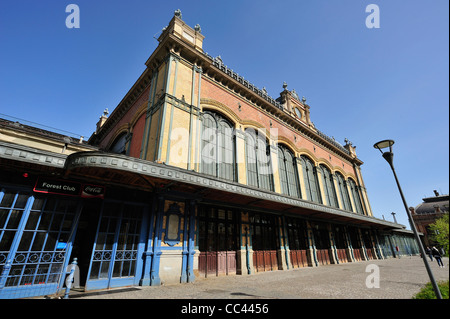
(195, 173)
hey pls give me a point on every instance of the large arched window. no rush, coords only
(343, 192)
(356, 197)
(310, 178)
(288, 172)
(259, 167)
(119, 144)
(328, 185)
(218, 147)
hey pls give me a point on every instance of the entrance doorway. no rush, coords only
(264, 242)
(341, 244)
(356, 243)
(107, 244)
(298, 239)
(368, 244)
(217, 241)
(85, 236)
(114, 261)
(322, 241)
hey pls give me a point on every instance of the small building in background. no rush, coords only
(426, 213)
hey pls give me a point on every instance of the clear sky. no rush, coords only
(362, 84)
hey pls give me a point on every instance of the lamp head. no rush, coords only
(384, 144)
(388, 156)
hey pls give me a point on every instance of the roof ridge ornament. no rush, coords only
(177, 13)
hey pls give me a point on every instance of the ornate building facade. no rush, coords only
(431, 209)
(196, 173)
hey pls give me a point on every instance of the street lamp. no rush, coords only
(389, 157)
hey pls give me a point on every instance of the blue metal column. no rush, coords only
(154, 273)
(185, 249)
(148, 253)
(191, 244)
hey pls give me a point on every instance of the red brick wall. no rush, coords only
(127, 118)
(213, 91)
(138, 134)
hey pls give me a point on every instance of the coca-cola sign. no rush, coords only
(93, 191)
(63, 187)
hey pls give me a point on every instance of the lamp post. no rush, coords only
(395, 219)
(389, 157)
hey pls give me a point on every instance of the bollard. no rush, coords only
(69, 278)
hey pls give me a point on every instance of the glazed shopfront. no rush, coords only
(132, 222)
(42, 231)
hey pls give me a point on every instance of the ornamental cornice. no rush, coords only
(31, 155)
(157, 170)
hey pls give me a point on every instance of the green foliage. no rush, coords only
(428, 292)
(440, 230)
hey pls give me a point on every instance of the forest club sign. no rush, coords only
(63, 187)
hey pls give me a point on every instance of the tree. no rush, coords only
(439, 231)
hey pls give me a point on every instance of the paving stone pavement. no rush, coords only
(398, 279)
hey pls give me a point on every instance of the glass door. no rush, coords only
(114, 261)
(35, 242)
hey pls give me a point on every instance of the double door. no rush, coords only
(298, 242)
(114, 260)
(36, 233)
(264, 229)
(340, 243)
(322, 243)
(217, 241)
(358, 252)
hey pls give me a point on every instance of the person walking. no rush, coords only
(437, 256)
(428, 251)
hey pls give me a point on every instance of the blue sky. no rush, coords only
(362, 84)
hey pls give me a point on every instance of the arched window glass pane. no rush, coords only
(218, 147)
(259, 169)
(288, 172)
(282, 172)
(264, 165)
(209, 145)
(343, 192)
(292, 174)
(356, 197)
(226, 150)
(119, 144)
(252, 171)
(330, 192)
(310, 179)
(305, 178)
